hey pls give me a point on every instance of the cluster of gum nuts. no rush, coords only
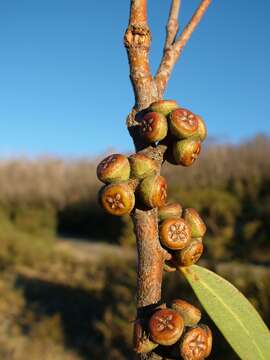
(137, 179)
(174, 332)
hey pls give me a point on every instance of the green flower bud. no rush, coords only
(153, 191)
(164, 106)
(202, 130)
(166, 327)
(113, 168)
(117, 199)
(189, 313)
(195, 222)
(189, 255)
(185, 152)
(174, 233)
(154, 127)
(142, 166)
(183, 123)
(172, 210)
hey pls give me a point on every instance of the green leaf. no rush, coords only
(233, 314)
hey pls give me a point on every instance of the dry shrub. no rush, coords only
(46, 181)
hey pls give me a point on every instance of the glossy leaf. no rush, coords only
(233, 314)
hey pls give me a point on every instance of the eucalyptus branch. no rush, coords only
(151, 255)
(167, 236)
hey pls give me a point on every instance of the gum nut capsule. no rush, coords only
(117, 199)
(185, 152)
(166, 327)
(171, 210)
(142, 166)
(202, 130)
(154, 127)
(191, 254)
(113, 168)
(190, 314)
(174, 233)
(183, 123)
(141, 341)
(209, 339)
(194, 345)
(153, 191)
(195, 222)
(164, 106)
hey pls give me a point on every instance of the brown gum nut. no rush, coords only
(209, 342)
(195, 222)
(154, 127)
(141, 341)
(174, 233)
(186, 151)
(172, 210)
(194, 345)
(183, 123)
(165, 327)
(164, 106)
(189, 313)
(209, 339)
(153, 191)
(113, 168)
(142, 166)
(190, 255)
(202, 130)
(117, 199)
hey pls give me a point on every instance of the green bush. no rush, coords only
(22, 248)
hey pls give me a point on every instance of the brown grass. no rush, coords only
(46, 181)
(61, 182)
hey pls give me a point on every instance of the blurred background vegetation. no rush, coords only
(67, 270)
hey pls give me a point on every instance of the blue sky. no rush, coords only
(64, 83)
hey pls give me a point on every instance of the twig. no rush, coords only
(172, 24)
(196, 18)
(172, 53)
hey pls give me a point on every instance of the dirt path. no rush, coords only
(84, 250)
(92, 251)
